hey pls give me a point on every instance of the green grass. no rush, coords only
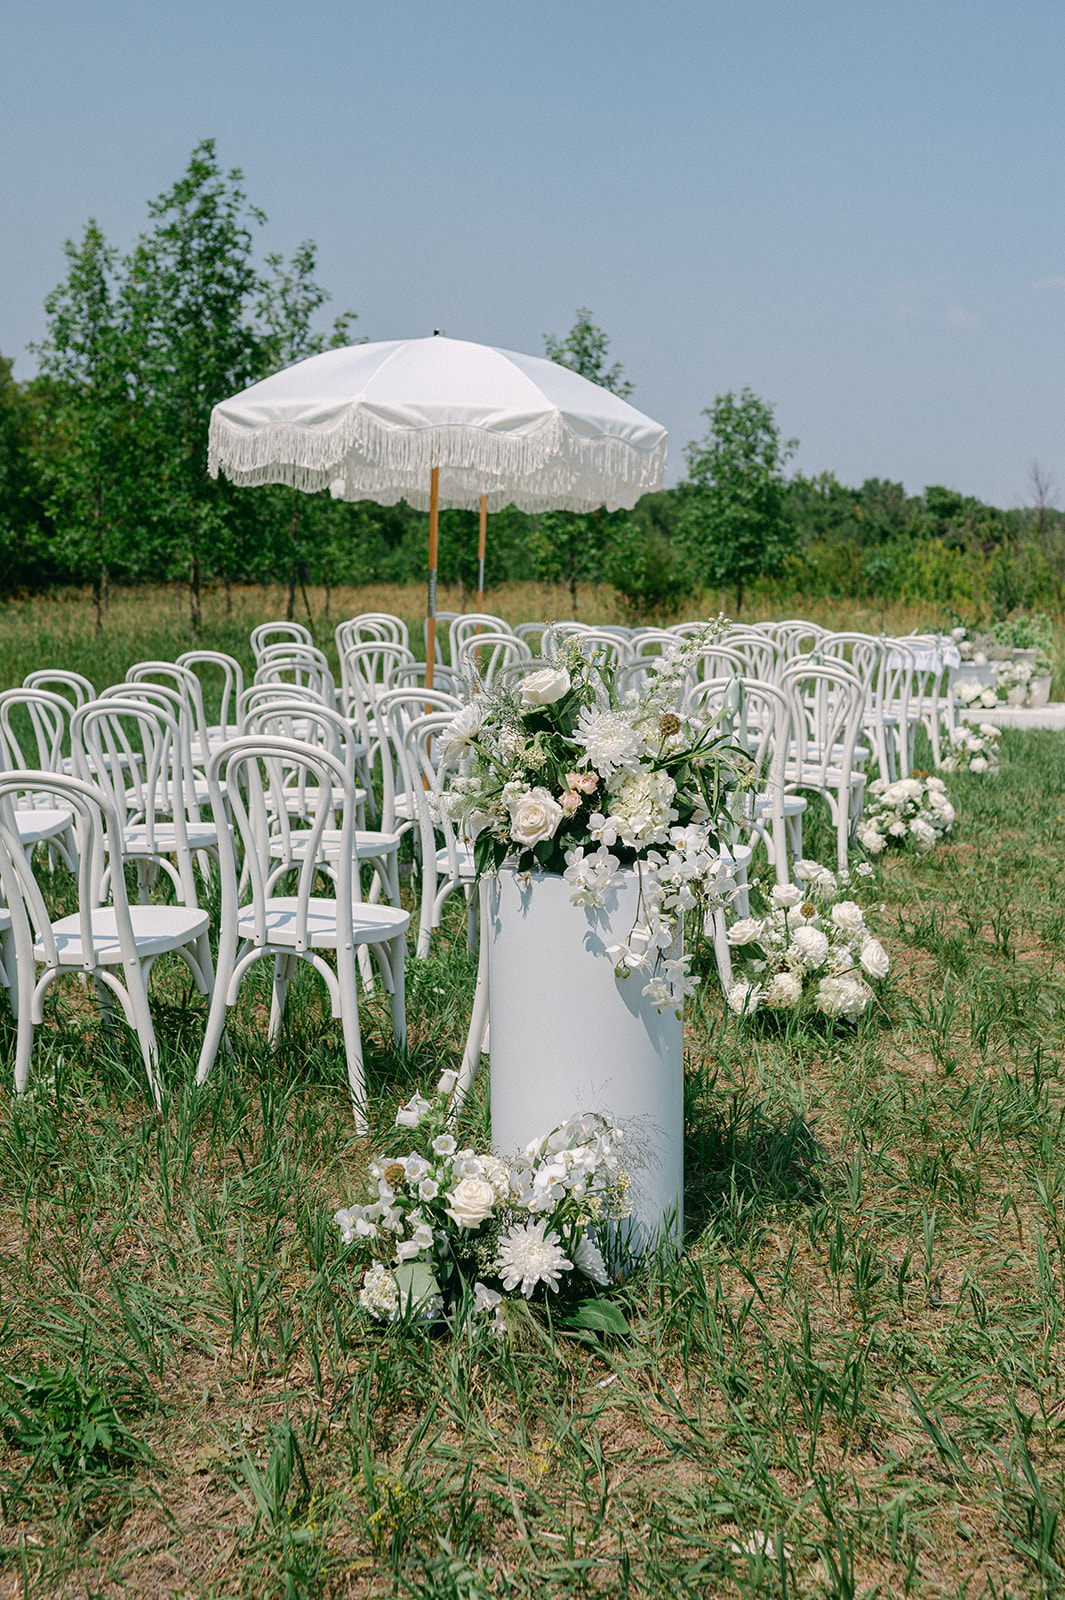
(853, 1380)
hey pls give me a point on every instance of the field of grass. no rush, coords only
(148, 623)
(851, 1382)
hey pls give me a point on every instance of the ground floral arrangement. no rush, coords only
(973, 749)
(450, 1232)
(565, 773)
(811, 951)
(911, 812)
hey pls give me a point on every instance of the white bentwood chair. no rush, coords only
(115, 945)
(250, 778)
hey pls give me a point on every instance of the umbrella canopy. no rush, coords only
(373, 421)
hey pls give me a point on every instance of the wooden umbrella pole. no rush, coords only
(482, 534)
(434, 531)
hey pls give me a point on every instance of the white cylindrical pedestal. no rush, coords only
(568, 1036)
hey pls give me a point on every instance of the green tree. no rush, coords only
(24, 527)
(571, 547)
(734, 516)
(86, 441)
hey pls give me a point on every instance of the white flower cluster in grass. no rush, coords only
(809, 949)
(910, 811)
(978, 694)
(973, 749)
(527, 1221)
(565, 773)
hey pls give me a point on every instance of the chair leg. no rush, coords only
(397, 954)
(349, 1018)
(216, 1022)
(24, 1039)
(284, 967)
(471, 1056)
(137, 990)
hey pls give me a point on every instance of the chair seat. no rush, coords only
(372, 923)
(200, 835)
(156, 929)
(369, 844)
(793, 805)
(38, 825)
(466, 864)
(817, 777)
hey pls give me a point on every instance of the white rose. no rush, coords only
(472, 1200)
(784, 990)
(534, 815)
(978, 764)
(786, 895)
(809, 945)
(544, 687)
(923, 832)
(745, 931)
(874, 958)
(848, 916)
(936, 785)
(871, 840)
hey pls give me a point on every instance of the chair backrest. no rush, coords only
(97, 837)
(232, 684)
(73, 686)
(468, 624)
(268, 633)
(368, 626)
(411, 673)
(265, 693)
(481, 655)
(299, 665)
(827, 703)
(612, 650)
(393, 712)
(762, 659)
(652, 642)
(105, 736)
(48, 716)
(367, 670)
(426, 767)
(251, 778)
(171, 675)
(306, 723)
(532, 632)
(179, 775)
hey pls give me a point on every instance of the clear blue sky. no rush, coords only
(854, 208)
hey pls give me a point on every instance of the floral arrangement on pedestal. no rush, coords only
(984, 695)
(444, 1226)
(810, 951)
(565, 773)
(973, 749)
(911, 811)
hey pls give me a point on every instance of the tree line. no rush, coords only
(103, 474)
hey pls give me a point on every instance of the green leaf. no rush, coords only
(599, 1316)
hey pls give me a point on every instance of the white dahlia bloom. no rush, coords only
(529, 1255)
(610, 742)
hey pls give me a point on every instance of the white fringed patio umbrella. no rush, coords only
(440, 422)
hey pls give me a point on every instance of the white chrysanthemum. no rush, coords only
(379, 1294)
(462, 730)
(529, 1255)
(809, 946)
(610, 742)
(783, 991)
(587, 1258)
(743, 998)
(843, 997)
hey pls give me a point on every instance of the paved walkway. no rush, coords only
(1048, 716)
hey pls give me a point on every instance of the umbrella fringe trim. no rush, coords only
(361, 458)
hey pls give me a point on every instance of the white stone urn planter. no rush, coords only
(567, 1035)
(1039, 690)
